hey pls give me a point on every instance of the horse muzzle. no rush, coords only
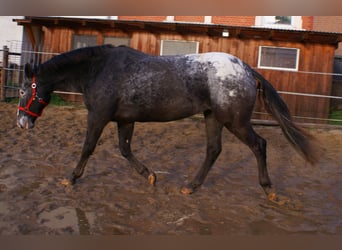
(24, 121)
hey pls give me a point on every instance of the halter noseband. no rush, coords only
(33, 97)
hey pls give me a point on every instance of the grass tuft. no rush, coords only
(336, 115)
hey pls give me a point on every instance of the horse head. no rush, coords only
(32, 99)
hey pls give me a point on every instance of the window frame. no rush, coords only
(178, 41)
(128, 39)
(74, 36)
(296, 23)
(275, 67)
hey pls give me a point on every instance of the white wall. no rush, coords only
(10, 31)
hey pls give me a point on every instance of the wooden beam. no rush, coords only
(270, 35)
(30, 34)
(304, 37)
(3, 74)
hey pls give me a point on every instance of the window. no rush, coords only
(177, 47)
(80, 41)
(278, 58)
(208, 19)
(279, 22)
(117, 41)
(170, 18)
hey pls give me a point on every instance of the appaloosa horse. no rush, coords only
(124, 85)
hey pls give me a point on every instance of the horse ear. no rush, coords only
(28, 70)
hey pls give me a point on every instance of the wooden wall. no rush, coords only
(314, 57)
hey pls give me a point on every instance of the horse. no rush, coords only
(124, 85)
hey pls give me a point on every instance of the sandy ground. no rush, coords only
(112, 199)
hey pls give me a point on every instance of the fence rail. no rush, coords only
(11, 74)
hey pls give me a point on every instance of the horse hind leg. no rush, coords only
(257, 144)
(213, 132)
(125, 131)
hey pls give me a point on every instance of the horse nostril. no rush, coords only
(23, 122)
(19, 124)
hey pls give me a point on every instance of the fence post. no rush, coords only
(3, 74)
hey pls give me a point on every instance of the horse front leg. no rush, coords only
(94, 130)
(125, 131)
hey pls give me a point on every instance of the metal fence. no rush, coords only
(11, 71)
(16, 55)
(13, 58)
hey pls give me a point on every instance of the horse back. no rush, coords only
(164, 88)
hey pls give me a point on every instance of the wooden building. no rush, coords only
(284, 57)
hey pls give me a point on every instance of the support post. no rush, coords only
(3, 74)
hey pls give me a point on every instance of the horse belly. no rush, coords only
(169, 109)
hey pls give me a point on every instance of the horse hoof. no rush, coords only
(65, 182)
(187, 190)
(152, 178)
(272, 196)
(278, 199)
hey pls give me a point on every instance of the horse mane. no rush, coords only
(68, 59)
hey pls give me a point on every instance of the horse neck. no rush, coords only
(73, 71)
(65, 79)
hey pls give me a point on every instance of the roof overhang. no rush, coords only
(214, 30)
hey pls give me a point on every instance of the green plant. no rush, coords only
(336, 115)
(58, 101)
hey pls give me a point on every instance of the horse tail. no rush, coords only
(300, 140)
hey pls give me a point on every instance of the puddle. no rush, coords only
(65, 218)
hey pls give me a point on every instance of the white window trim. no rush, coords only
(278, 68)
(296, 23)
(207, 19)
(170, 19)
(162, 44)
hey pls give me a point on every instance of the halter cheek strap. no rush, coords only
(33, 97)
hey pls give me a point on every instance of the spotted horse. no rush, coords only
(124, 85)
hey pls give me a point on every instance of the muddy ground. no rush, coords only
(112, 199)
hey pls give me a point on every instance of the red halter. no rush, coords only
(34, 95)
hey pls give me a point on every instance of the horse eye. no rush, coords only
(21, 93)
